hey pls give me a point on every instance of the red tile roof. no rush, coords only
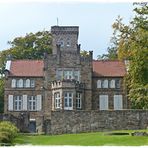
(31, 68)
(109, 68)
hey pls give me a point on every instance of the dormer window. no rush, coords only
(105, 84)
(112, 84)
(27, 83)
(20, 83)
(117, 83)
(99, 84)
(13, 83)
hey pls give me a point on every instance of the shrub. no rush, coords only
(8, 132)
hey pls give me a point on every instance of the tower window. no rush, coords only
(61, 42)
(68, 43)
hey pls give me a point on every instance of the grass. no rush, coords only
(84, 139)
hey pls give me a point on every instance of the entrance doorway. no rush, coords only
(32, 126)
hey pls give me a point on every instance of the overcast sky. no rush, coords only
(93, 18)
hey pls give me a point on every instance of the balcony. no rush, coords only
(67, 84)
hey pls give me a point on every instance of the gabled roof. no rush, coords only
(109, 68)
(28, 68)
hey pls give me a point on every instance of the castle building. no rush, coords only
(63, 80)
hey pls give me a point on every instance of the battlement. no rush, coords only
(65, 29)
(67, 84)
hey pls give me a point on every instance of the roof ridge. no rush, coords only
(108, 60)
(27, 60)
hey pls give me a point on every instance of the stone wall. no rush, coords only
(87, 121)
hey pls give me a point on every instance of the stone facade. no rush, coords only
(89, 121)
(120, 90)
(63, 80)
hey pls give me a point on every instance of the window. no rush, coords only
(77, 75)
(68, 75)
(68, 42)
(61, 42)
(32, 103)
(18, 103)
(103, 102)
(57, 100)
(118, 105)
(105, 84)
(59, 75)
(27, 83)
(68, 100)
(99, 84)
(117, 83)
(20, 83)
(32, 83)
(112, 84)
(13, 83)
(78, 101)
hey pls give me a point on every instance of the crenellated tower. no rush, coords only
(68, 75)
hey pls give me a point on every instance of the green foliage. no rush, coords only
(131, 43)
(32, 46)
(8, 132)
(1, 95)
(84, 53)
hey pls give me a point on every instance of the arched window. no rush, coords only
(61, 42)
(13, 83)
(105, 84)
(68, 42)
(27, 83)
(20, 83)
(99, 84)
(112, 84)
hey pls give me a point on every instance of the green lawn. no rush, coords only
(84, 139)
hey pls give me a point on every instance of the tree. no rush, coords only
(132, 45)
(32, 46)
(1, 95)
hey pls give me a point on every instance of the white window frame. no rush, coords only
(57, 99)
(99, 83)
(105, 83)
(112, 83)
(78, 101)
(103, 102)
(20, 83)
(32, 103)
(68, 100)
(13, 83)
(18, 104)
(27, 83)
(118, 102)
(68, 74)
